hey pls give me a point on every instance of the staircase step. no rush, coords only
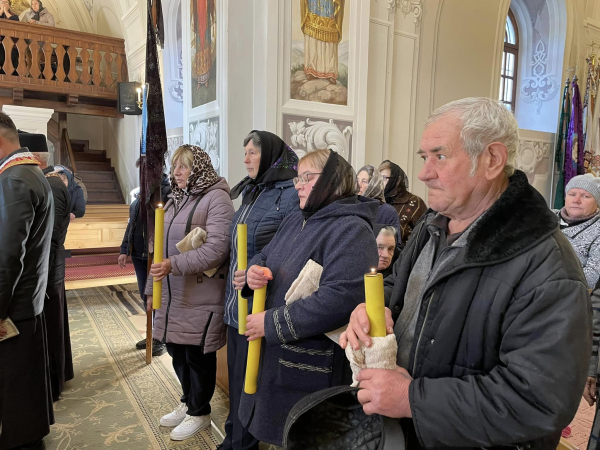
(95, 175)
(105, 196)
(97, 152)
(99, 185)
(87, 166)
(79, 148)
(90, 157)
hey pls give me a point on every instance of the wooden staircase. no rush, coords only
(97, 173)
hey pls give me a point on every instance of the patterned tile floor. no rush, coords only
(582, 424)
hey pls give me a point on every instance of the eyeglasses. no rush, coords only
(304, 178)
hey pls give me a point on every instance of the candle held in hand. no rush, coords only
(375, 303)
(242, 248)
(159, 231)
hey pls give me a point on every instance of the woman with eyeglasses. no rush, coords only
(370, 184)
(297, 357)
(268, 196)
(410, 208)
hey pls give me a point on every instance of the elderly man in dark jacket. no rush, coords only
(26, 219)
(488, 302)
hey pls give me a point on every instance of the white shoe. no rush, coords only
(190, 426)
(174, 418)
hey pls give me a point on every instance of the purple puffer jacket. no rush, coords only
(194, 311)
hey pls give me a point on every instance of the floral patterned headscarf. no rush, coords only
(203, 175)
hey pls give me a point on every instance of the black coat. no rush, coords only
(62, 218)
(297, 357)
(26, 219)
(135, 233)
(76, 194)
(503, 337)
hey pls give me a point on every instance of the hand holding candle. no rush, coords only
(258, 306)
(375, 303)
(242, 252)
(159, 230)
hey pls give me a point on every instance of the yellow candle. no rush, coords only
(375, 303)
(159, 231)
(242, 253)
(258, 306)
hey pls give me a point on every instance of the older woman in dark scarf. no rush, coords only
(75, 192)
(409, 207)
(370, 184)
(268, 197)
(38, 14)
(297, 357)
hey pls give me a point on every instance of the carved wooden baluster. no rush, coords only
(96, 74)
(108, 58)
(35, 62)
(60, 56)
(8, 43)
(72, 52)
(22, 47)
(47, 59)
(85, 58)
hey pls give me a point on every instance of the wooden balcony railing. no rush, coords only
(45, 64)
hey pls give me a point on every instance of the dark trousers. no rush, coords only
(236, 436)
(141, 273)
(197, 373)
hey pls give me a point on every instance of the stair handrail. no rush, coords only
(66, 144)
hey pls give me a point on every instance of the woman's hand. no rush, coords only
(122, 261)
(359, 326)
(589, 392)
(239, 279)
(31, 21)
(258, 277)
(255, 326)
(148, 303)
(160, 270)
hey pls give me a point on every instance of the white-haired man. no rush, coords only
(488, 301)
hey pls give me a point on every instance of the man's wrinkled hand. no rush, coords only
(385, 392)
(359, 327)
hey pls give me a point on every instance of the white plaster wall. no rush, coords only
(87, 128)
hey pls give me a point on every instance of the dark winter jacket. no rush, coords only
(263, 218)
(503, 337)
(297, 357)
(76, 194)
(26, 219)
(387, 215)
(134, 242)
(62, 218)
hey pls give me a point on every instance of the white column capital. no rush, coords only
(31, 120)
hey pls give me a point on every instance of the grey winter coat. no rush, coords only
(46, 17)
(192, 303)
(585, 239)
(503, 336)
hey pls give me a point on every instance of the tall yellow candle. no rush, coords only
(375, 303)
(242, 253)
(159, 231)
(258, 306)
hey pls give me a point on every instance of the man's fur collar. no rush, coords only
(518, 220)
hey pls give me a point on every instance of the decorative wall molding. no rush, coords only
(540, 86)
(310, 135)
(173, 143)
(406, 7)
(205, 134)
(531, 153)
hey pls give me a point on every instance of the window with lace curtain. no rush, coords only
(510, 59)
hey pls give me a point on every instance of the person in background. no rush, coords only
(26, 220)
(371, 185)
(191, 318)
(135, 244)
(55, 307)
(38, 14)
(5, 12)
(387, 247)
(295, 333)
(75, 192)
(580, 223)
(409, 207)
(488, 302)
(591, 390)
(268, 196)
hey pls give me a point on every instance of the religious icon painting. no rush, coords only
(203, 52)
(319, 53)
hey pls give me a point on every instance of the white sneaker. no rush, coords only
(174, 418)
(189, 427)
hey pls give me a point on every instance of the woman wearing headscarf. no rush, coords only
(75, 192)
(268, 196)
(38, 14)
(297, 358)
(409, 207)
(387, 248)
(191, 318)
(370, 184)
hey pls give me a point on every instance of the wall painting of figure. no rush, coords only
(203, 52)
(319, 54)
